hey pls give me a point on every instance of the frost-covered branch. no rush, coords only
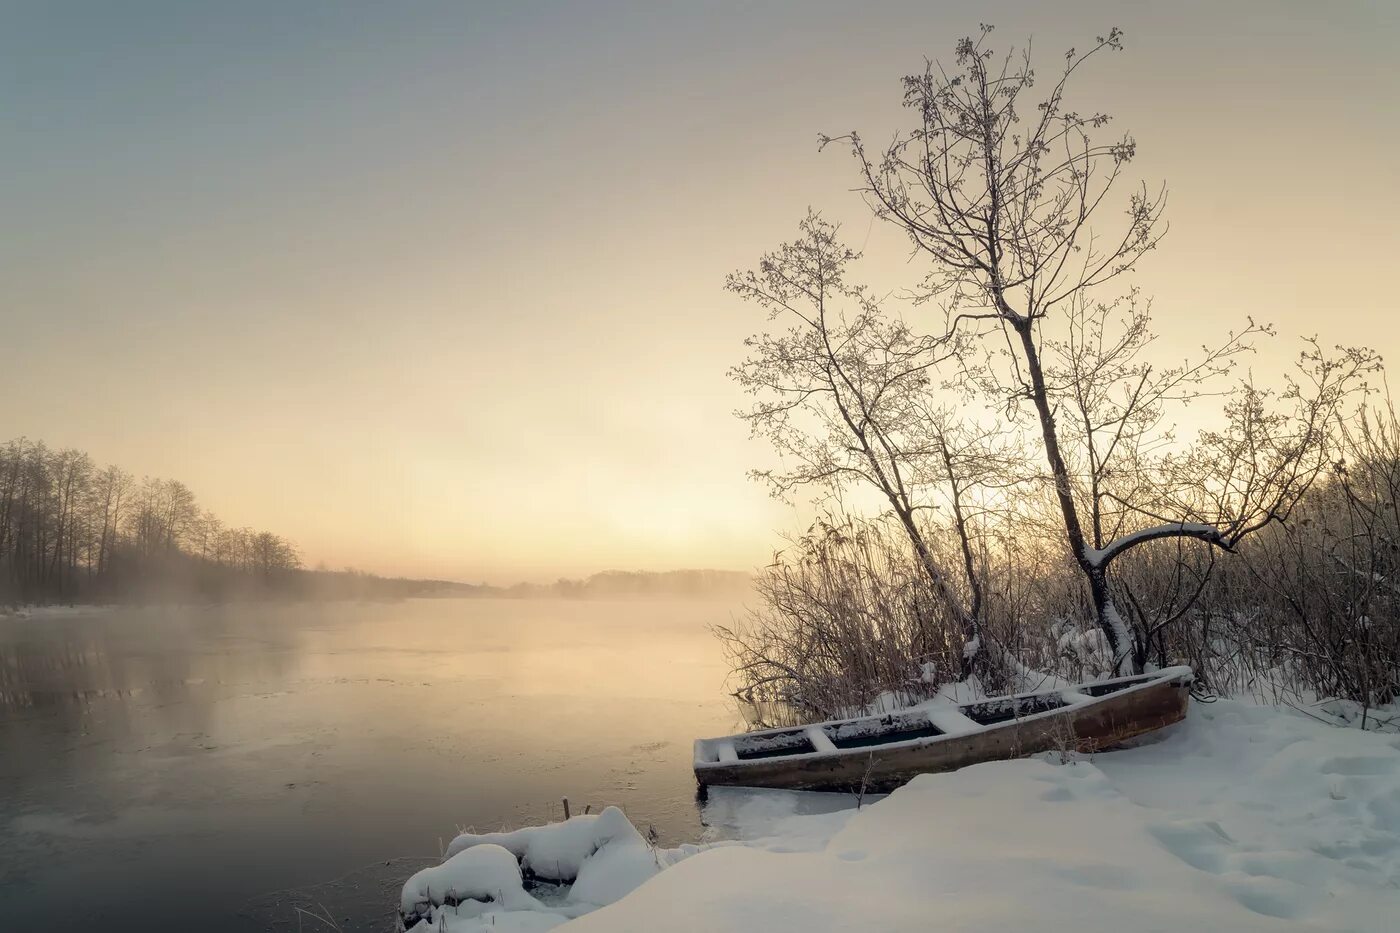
(839, 396)
(1102, 557)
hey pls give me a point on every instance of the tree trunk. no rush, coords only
(1106, 613)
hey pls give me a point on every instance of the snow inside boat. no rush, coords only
(884, 751)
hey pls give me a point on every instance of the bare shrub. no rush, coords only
(846, 613)
(1026, 444)
(1000, 186)
(1319, 611)
(1307, 608)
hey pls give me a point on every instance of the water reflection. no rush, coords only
(209, 756)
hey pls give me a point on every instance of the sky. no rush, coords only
(436, 289)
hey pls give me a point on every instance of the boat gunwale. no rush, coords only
(1177, 674)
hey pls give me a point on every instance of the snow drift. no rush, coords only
(1241, 818)
(481, 883)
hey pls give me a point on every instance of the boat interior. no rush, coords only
(905, 725)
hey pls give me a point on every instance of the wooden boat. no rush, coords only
(882, 752)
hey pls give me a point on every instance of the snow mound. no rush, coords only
(602, 857)
(487, 874)
(1010, 845)
(1294, 799)
(1240, 818)
(557, 851)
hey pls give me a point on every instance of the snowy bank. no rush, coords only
(481, 883)
(1241, 818)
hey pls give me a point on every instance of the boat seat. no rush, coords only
(948, 720)
(819, 739)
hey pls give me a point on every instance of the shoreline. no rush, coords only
(1241, 817)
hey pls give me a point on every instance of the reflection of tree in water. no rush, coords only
(75, 689)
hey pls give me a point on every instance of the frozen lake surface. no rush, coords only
(243, 761)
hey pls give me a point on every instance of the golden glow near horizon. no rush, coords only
(443, 296)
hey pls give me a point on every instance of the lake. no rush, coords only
(236, 763)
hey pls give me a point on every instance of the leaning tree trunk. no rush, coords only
(1106, 614)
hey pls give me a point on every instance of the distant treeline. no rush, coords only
(610, 584)
(74, 531)
(617, 583)
(71, 530)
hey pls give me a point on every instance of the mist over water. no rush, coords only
(231, 762)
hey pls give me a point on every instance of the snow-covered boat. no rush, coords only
(880, 752)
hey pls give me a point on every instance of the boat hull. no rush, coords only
(1089, 726)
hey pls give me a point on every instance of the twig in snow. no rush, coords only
(865, 780)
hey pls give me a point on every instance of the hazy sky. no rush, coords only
(436, 288)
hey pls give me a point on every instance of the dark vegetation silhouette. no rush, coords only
(72, 531)
(1019, 423)
(621, 584)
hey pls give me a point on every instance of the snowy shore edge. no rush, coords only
(1243, 817)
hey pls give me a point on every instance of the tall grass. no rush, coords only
(844, 615)
(1307, 608)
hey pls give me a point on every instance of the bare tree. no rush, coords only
(111, 491)
(999, 194)
(840, 391)
(70, 530)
